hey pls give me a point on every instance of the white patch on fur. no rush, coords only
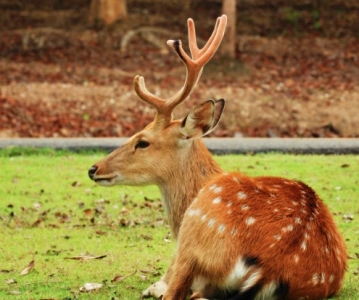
(199, 283)
(221, 228)
(193, 212)
(251, 280)
(245, 207)
(156, 290)
(322, 278)
(303, 245)
(242, 195)
(234, 231)
(217, 200)
(218, 190)
(267, 292)
(238, 272)
(315, 278)
(250, 221)
(331, 278)
(211, 223)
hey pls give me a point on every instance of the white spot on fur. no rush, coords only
(194, 212)
(217, 200)
(303, 245)
(288, 228)
(218, 190)
(278, 237)
(211, 223)
(322, 278)
(297, 221)
(331, 278)
(229, 211)
(245, 207)
(204, 217)
(229, 204)
(234, 231)
(221, 228)
(295, 203)
(315, 278)
(306, 236)
(236, 179)
(250, 221)
(296, 258)
(276, 210)
(213, 187)
(242, 195)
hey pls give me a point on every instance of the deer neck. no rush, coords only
(180, 187)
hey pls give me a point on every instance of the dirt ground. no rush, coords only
(77, 82)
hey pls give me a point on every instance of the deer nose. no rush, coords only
(92, 171)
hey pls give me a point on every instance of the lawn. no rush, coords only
(60, 231)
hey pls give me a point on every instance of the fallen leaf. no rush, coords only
(349, 217)
(86, 257)
(15, 293)
(28, 268)
(88, 212)
(10, 281)
(87, 287)
(37, 223)
(76, 184)
(119, 278)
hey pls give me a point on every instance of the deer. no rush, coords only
(238, 237)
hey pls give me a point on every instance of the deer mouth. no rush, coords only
(106, 181)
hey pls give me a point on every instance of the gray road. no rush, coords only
(215, 145)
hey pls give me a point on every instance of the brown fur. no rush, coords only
(281, 222)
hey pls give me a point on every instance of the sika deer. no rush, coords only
(238, 237)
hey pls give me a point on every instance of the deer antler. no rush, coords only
(194, 66)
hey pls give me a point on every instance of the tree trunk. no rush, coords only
(228, 47)
(107, 11)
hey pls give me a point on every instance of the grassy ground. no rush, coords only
(52, 214)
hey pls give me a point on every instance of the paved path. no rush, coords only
(215, 145)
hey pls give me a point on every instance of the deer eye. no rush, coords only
(142, 144)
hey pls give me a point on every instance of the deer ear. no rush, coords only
(202, 119)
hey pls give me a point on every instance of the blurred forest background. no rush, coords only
(66, 66)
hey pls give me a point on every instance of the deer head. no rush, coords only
(168, 152)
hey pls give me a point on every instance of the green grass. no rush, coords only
(50, 211)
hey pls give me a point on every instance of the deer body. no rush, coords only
(261, 238)
(238, 237)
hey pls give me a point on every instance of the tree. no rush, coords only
(228, 47)
(107, 11)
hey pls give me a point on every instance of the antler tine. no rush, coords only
(195, 51)
(193, 65)
(199, 58)
(142, 92)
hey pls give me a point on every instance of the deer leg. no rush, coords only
(158, 289)
(181, 281)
